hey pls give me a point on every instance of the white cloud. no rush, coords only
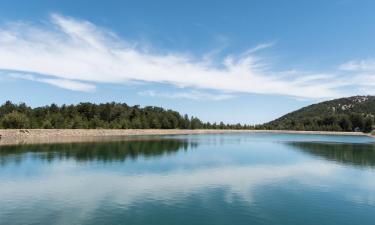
(194, 95)
(261, 47)
(69, 84)
(362, 74)
(62, 83)
(73, 52)
(367, 65)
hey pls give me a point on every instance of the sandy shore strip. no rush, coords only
(34, 136)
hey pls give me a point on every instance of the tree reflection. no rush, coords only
(99, 151)
(353, 154)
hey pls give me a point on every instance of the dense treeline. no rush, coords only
(345, 114)
(343, 122)
(109, 115)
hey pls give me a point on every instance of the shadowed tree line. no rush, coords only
(95, 151)
(109, 115)
(353, 154)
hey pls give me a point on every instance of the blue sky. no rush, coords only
(231, 61)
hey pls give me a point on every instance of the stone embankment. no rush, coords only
(30, 136)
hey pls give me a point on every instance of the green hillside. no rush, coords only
(345, 114)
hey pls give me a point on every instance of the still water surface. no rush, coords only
(191, 179)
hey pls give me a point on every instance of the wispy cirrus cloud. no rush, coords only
(261, 47)
(362, 74)
(62, 83)
(364, 65)
(76, 54)
(193, 95)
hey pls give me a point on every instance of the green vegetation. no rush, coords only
(344, 114)
(109, 115)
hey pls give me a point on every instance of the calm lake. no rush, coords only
(191, 179)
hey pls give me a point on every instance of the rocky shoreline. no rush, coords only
(34, 136)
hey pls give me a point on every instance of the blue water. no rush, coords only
(191, 179)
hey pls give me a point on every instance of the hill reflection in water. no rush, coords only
(351, 154)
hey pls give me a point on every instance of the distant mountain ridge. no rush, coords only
(344, 114)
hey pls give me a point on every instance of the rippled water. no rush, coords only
(191, 179)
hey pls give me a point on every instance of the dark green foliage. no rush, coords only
(15, 120)
(344, 114)
(107, 116)
(367, 124)
(345, 123)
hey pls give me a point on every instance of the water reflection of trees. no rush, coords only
(99, 151)
(351, 154)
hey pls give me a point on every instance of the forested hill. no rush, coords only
(344, 114)
(109, 115)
